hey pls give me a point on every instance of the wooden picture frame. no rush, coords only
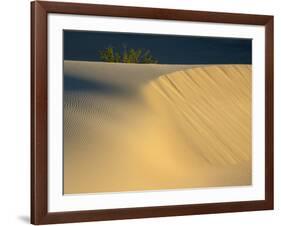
(39, 112)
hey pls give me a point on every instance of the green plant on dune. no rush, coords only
(140, 56)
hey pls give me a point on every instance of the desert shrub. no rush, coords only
(108, 55)
(131, 55)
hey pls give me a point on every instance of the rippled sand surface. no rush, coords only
(151, 127)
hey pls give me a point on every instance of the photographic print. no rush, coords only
(155, 112)
(149, 112)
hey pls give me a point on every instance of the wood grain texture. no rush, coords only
(269, 114)
(39, 107)
(153, 13)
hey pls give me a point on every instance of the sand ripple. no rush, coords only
(183, 129)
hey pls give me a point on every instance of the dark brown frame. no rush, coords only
(39, 107)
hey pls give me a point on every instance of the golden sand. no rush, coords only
(185, 129)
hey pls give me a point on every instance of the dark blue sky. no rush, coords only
(167, 49)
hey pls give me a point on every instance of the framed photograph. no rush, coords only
(148, 112)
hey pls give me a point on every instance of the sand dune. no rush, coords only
(166, 127)
(128, 74)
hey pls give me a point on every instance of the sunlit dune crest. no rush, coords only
(172, 128)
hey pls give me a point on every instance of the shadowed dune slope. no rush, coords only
(184, 129)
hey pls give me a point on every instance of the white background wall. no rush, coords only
(15, 114)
